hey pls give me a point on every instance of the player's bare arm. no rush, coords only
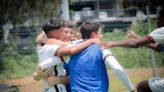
(133, 35)
(53, 80)
(128, 43)
(63, 51)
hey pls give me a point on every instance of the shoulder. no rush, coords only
(49, 48)
(157, 35)
(158, 31)
(94, 47)
(77, 41)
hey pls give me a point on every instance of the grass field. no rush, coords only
(136, 75)
(27, 84)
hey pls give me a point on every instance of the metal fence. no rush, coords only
(20, 40)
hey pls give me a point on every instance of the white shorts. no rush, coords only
(156, 84)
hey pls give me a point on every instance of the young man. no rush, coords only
(92, 30)
(109, 60)
(157, 36)
(87, 69)
(54, 29)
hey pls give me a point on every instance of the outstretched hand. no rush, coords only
(132, 34)
(41, 38)
(106, 45)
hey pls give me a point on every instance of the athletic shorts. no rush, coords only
(156, 84)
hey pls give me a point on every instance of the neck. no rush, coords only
(85, 39)
(50, 36)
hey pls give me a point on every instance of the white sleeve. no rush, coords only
(52, 49)
(114, 65)
(70, 45)
(158, 35)
(106, 52)
(52, 61)
(75, 42)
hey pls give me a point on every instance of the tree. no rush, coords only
(18, 11)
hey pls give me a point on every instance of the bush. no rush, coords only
(15, 64)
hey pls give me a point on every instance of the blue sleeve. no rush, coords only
(162, 47)
(66, 67)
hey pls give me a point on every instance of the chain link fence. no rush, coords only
(19, 42)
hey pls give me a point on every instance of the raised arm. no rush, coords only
(133, 35)
(63, 51)
(128, 43)
(111, 61)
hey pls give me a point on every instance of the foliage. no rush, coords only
(142, 29)
(15, 64)
(19, 11)
(130, 57)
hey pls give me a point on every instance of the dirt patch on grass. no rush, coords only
(28, 84)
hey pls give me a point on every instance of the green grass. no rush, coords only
(18, 66)
(135, 75)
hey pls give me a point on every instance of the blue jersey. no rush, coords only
(162, 47)
(66, 67)
(87, 71)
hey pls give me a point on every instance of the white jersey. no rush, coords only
(45, 52)
(157, 35)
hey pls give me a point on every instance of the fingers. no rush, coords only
(97, 41)
(50, 80)
(41, 38)
(132, 34)
(106, 45)
(47, 72)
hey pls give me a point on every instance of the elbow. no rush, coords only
(36, 79)
(65, 53)
(71, 51)
(118, 71)
(133, 43)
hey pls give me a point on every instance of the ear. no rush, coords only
(93, 35)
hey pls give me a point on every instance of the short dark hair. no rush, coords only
(52, 24)
(79, 23)
(161, 13)
(87, 28)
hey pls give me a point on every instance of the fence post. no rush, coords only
(151, 51)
